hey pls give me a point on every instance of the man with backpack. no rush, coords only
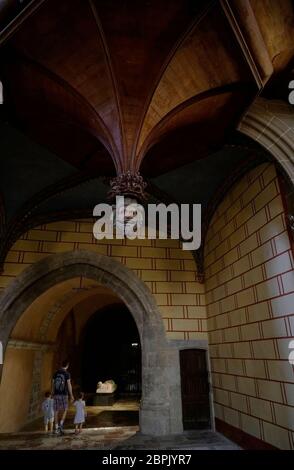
(61, 389)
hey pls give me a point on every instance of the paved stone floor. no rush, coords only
(118, 438)
(188, 440)
(124, 412)
(114, 427)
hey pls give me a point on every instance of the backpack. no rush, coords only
(59, 383)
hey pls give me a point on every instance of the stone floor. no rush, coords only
(107, 428)
(90, 438)
(119, 438)
(124, 412)
(188, 440)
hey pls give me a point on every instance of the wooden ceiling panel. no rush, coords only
(276, 22)
(209, 58)
(140, 36)
(63, 37)
(129, 73)
(194, 132)
(53, 114)
(203, 109)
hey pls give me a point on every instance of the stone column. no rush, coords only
(155, 403)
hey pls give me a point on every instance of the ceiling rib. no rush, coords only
(166, 63)
(149, 141)
(106, 137)
(121, 158)
(244, 25)
(15, 24)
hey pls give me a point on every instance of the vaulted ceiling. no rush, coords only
(106, 79)
(100, 87)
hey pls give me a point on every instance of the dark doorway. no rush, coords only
(111, 350)
(195, 389)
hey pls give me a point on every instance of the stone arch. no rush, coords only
(271, 124)
(157, 414)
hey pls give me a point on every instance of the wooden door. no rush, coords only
(195, 389)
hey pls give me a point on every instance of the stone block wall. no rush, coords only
(168, 271)
(250, 306)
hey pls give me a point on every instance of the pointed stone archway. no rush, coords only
(271, 124)
(160, 408)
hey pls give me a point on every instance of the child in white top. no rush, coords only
(81, 413)
(48, 412)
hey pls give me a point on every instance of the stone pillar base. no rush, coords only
(155, 420)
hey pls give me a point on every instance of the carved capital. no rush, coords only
(128, 184)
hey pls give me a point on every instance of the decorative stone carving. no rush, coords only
(128, 184)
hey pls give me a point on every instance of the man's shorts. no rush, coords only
(60, 402)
